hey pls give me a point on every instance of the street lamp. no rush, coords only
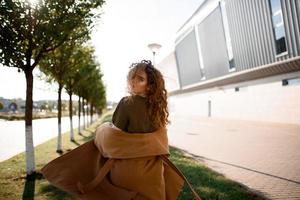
(154, 47)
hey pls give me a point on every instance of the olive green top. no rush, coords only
(131, 115)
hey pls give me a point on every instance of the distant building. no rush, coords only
(4, 107)
(238, 60)
(15, 105)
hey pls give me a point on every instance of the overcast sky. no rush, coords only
(120, 38)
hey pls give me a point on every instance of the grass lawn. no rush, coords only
(13, 183)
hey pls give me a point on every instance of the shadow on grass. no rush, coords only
(81, 135)
(207, 183)
(29, 187)
(54, 193)
(89, 137)
(89, 131)
(75, 142)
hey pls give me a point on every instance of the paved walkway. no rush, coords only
(263, 156)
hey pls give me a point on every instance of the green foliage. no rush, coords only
(88, 79)
(1, 106)
(56, 64)
(28, 32)
(74, 66)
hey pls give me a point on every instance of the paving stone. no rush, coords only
(263, 156)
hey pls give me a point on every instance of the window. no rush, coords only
(293, 81)
(241, 89)
(278, 26)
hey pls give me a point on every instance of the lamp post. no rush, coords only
(154, 47)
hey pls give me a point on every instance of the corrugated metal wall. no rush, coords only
(252, 39)
(187, 57)
(213, 45)
(291, 14)
(251, 31)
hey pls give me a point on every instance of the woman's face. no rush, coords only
(139, 83)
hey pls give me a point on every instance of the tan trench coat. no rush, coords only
(118, 166)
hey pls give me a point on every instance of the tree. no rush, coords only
(96, 94)
(28, 33)
(56, 66)
(78, 60)
(89, 86)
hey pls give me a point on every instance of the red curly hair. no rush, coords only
(156, 93)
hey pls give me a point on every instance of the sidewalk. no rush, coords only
(263, 156)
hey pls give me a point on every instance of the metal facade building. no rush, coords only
(202, 49)
(235, 44)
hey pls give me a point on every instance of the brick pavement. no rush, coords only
(263, 156)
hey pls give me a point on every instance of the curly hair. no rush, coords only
(157, 104)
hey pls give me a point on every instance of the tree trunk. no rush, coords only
(87, 113)
(79, 111)
(91, 121)
(83, 112)
(58, 148)
(71, 117)
(30, 159)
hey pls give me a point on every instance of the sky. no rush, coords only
(120, 38)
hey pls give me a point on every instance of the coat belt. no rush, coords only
(108, 166)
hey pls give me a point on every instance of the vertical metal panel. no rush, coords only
(268, 31)
(297, 11)
(291, 27)
(213, 49)
(240, 18)
(233, 31)
(249, 48)
(296, 22)
(251, 29)
(261, 44)
(257, 40)
(187, 60)
(254, 35)
(265, 32)
(287, 29)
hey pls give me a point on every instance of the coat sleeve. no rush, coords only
(120, 117)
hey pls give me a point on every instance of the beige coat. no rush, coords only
(118, 166)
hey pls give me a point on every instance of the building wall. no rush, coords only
(260, 100)
(291, 15)
(202, 48)
(243, 39)
(213, 45)
(188, 60)
(251, 31)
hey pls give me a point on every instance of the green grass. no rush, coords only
(209, 184)
(13, 175)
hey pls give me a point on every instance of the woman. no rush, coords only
(144, 111)
(128, 158)
(147, 102)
